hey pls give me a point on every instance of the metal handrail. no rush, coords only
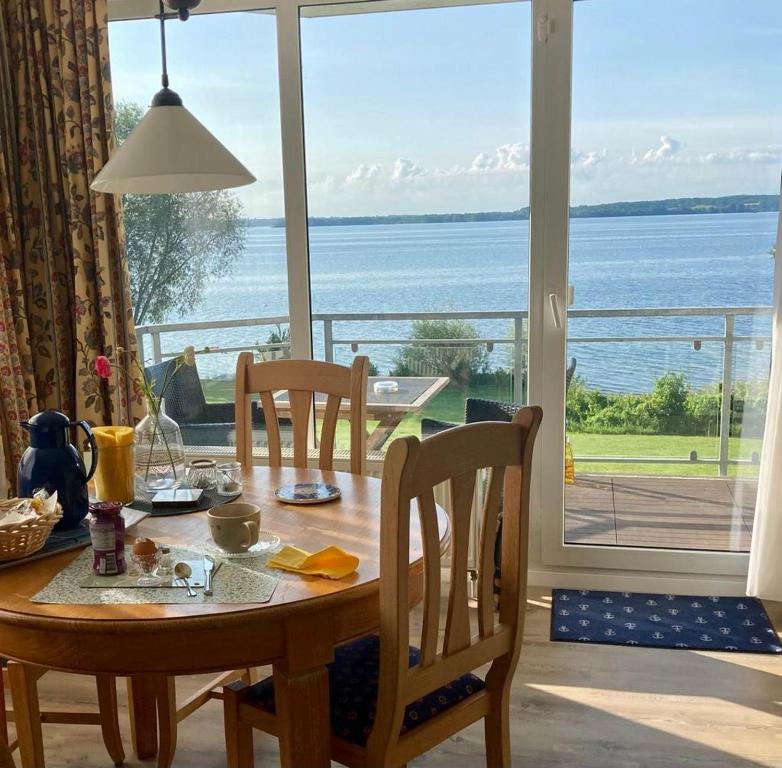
(518, 340)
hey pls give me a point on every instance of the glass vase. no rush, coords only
(160, 452)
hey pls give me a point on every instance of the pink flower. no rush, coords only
(103, 366)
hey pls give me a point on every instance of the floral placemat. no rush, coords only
(248, 582)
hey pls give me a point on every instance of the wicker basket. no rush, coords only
(26, 537)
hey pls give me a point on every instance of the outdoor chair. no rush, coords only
(478, 409)
(201, 423)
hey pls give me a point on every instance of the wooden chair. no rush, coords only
(28, 717)
(391, 702)
(302, 379)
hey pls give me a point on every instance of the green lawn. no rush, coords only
(449, 406)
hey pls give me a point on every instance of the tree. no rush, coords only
(460, 362)
(175, 243)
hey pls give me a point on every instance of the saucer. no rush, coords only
(307, 493)
(267, 542)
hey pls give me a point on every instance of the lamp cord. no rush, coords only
(164, 76)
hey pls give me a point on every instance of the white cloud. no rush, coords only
(766, 155)
(405, 169)
(507, 157)
(589, 159)
(667, 149)
(364, 173)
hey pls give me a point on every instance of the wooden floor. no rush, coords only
(679, 513)
(573, 706)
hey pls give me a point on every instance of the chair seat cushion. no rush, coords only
(353, 681)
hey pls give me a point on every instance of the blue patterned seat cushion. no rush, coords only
(353, 677)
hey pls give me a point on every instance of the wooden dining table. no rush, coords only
(296, 631)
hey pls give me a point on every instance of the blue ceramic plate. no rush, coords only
(307, 493)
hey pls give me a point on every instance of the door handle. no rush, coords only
(556, 316)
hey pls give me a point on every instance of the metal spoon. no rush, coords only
(183, 572)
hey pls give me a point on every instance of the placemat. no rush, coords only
(209, 498)
(248, 582)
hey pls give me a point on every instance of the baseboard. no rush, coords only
(638, 581)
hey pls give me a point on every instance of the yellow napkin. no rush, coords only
(331, 562)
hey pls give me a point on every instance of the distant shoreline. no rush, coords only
(670, 207)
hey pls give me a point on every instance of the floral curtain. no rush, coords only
(64, 291)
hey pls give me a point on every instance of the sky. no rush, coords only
(428, 111)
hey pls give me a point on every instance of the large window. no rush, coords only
(209, 269)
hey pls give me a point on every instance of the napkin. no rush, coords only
(331, 562)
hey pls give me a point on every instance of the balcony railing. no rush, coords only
(149, 337)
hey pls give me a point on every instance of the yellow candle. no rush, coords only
(114, 476)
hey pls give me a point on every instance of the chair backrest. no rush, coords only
(478, 409)
(302, 379)
(185, 399)
(412, 469)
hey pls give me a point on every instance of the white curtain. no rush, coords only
(765, 558)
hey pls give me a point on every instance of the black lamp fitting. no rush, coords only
(182, 7)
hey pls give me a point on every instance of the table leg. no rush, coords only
(23, 681)
(143, 716)
(109, 717)
(301, 692)
(385, 428)
(302, 704)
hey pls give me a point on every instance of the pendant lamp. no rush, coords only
(170, 150)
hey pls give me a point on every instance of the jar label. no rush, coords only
(103, 537)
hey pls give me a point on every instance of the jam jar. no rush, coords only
(107, 532)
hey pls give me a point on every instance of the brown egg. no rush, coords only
(144, 547)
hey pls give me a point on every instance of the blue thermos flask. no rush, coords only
(54, 463)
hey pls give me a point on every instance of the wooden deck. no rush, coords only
(670, 512)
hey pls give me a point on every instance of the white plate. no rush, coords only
(307, 493)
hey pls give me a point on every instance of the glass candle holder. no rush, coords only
(229, 478)
(202, 473)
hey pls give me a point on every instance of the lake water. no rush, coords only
(631, 262)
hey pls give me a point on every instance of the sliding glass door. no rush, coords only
(674, 177)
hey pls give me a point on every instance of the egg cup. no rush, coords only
(148, 565)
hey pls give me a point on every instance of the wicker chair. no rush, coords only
(478, 409)
(201, 423)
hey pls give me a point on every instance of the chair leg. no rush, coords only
(497, 735)
(6, 761)
(250, 675)
(167, 720)
(109, 717)
(238, 735)
(27, 714)
(3, 714)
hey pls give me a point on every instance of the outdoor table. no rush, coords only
(389, 409)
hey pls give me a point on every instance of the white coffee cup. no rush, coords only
(235, 527)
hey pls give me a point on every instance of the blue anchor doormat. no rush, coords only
(662, 621)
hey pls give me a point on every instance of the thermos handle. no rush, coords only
(93, 448)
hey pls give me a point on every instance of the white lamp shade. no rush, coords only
(170, 151)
